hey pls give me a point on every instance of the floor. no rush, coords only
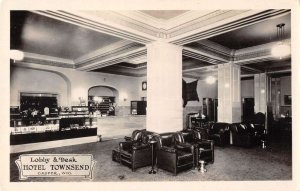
(231, 163)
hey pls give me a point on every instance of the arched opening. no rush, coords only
(102, 100)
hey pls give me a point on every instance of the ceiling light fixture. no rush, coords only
(210, 80)
(281, 49)
(16, 55)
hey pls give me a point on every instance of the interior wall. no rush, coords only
(247, 88)
(101, 91)
(285, 89)
(142, 93)
(26, 79)
(29, 80)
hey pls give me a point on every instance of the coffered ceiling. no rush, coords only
(114, 41)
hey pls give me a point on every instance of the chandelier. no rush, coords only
(281, 49)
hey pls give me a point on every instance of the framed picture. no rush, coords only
(144, 85)
(287, 100)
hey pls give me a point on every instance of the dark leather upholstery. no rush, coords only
(220, 134)
(135, 136)
(247, 134)
(259, 118)
(136, 153)
(204, 149)
(171, 156)
(241, 135)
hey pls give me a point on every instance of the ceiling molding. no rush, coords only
(37, 65)
(132, 66)
(48, 58)
(103, 51)
(117, 69)
(215, 47)
(203, 55)
(138, 60)
(139, 27)
(203, 68)
(139, 32)
(106, 53)
(251, 69)
(222, 22)
(278, 72)
(113, 60)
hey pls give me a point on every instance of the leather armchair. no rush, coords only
(242, 135)
(258, 132)
(136, 153)
(135, 136)
(220, 134)
(247, 134)
(171, 156)
(204, 149)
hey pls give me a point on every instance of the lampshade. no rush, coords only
(16, 55)
(281, 50)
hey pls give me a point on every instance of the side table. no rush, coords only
(202, 168)
(152, 142)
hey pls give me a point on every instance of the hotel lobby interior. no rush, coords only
(154, 95)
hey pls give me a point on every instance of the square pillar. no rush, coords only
(229, 93)
(260, 93)
(164, 87)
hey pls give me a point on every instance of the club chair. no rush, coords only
(204, 149)
(173, 157)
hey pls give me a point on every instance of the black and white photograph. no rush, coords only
(151, 95)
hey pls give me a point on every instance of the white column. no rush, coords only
(260, 91)
(229, 93)
(164, 87)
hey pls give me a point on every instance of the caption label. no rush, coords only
(55, 165)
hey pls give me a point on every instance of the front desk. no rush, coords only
(26, 135)
(70, 128)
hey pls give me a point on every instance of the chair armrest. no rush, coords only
(168, 149)
(205, 143)
(127, 138)
(125, 145)
(140, 147)
(185, 147)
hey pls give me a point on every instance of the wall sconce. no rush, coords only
(262, 91)
(226, 85)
